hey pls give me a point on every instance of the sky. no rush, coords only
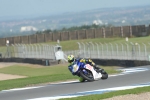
(10, 8)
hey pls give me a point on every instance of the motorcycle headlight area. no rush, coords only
(75, 68)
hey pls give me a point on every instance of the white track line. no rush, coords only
(90, 92)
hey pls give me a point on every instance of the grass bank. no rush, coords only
(74, 46)
(39, 75)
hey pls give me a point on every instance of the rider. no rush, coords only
(71, 60)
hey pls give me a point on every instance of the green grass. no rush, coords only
(32, 71)
(23, 82)
(50, 70)
(37, 75)
(74, 46)
(111, 94)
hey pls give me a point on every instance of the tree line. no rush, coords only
(73, 28)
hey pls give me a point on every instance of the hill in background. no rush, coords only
(138, 15)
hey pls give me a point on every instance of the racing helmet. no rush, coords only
(71, 58)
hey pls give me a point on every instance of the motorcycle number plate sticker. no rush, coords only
(75, 68)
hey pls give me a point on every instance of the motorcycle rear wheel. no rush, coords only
(104, 76)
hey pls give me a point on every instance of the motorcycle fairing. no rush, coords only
(95, 74)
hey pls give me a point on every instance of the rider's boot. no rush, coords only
(98, 69)
(81, 79)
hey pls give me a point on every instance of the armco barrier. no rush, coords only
(123, 63)
(45, 62)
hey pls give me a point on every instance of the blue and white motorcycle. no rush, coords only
(87, 72)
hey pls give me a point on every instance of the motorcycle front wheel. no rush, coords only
(87, 76)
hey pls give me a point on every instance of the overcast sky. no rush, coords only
(41, 7)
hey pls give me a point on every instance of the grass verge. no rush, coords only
(74, 46)
(39, 75)
(111, 94)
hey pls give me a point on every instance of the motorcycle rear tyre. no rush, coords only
(104, 76)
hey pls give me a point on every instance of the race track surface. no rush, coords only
(133, 76)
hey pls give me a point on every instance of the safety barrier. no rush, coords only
(38, 51)
(120, 51)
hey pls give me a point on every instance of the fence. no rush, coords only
(34, 51)
(122, 31)
(117, 51)
(37, 51)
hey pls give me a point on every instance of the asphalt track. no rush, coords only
(133, 76)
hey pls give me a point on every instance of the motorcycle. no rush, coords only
(87, 72)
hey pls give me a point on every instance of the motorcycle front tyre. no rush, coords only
(86, 77)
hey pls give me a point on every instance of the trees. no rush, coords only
(74, 28)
